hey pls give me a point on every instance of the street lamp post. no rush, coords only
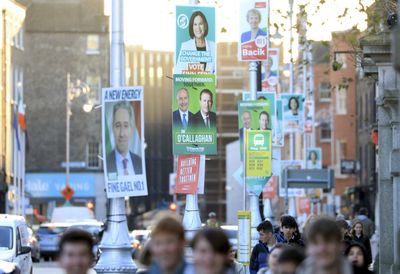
(115, 245)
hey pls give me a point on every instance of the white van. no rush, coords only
(14, 242)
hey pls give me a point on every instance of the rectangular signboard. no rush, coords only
(244, 237)
(123, 142)
(293, 112)
(187, 176)
(195, 51)
(270, 71)
(292, 192)
(253, 44)
(194, 118)
(258, 153)
(314, 158)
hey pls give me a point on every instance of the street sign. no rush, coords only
(244, 237)
(77, 164)
(309, 178)
(67, 192)
(347, 167)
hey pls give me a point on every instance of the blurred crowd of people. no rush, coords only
(325, 246)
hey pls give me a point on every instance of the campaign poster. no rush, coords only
(278, 134)
(314, 158)
(187, 176)
(292, 192)
(244, 237)
(258, 160)
(293, 112)
(271, 98)
(254, 115)
(309, 116)
(195, 51)
(270, 71)
(123, 142)
(253, 28)
(270, 190)
(303, 205)
(194, 118)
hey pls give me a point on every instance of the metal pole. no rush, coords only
(115, 246)
(253, 201)
(67, 126)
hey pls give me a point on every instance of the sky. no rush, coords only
(151, 23)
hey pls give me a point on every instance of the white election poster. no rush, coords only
(292, 192)
(123, 142)
(244, 237)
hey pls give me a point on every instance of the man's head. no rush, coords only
(76, 255)
(288, 226)
(122, 124)
(363, 211)
(167, 243)
(206, 101)
(265, 231)
(264, 120)
(182, 98)
(289, 260)
(246, 119)
(324, 242)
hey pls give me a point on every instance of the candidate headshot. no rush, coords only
(182, 117)
(263, 121)
(246, 122)
(313, 156)
(198, 32)
(294, 105)
(121, 160)
(205, 118)
(253, 17)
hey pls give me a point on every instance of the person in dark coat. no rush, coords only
(289, 232)
(357, 256)
(359, 237)
(260, 252)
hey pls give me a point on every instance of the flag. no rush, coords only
(15, 126)
(21, 113)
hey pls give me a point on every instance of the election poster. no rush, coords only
(309, 116)
(194, 118)
(270, 71)
(271, 98)
(292, 192)
(187, 176)
(258, 162)
(195, 51)
(244, 237)
(314, 158)
(123, 142)
(293, 112)
(278, 134)
(270, 190)
(303, 205)
(253, 28)
(254, 115)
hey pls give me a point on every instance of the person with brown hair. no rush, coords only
(211, 252)
(167, 246)
(357, 233)
(324, 249)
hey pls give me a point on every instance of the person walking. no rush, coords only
(273, 266)
(368, 224)
(260, 251)
(357, 233)
(212, 221)
(289, 232)
(357, 256)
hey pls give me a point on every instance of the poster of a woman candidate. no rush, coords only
(293, 112)
(195, 51)
(270, 71)
(253, 44)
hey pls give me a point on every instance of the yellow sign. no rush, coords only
(258, 153)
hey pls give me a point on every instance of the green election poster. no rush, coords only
(194, 117)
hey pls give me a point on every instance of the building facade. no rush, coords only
(11, 86)
(68, 45)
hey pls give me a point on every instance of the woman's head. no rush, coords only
(211, 250)
(312, 156)
(198, 25)
(253, 18)
(356, 254)
(293, 103)
(357, 228)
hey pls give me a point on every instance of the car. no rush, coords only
(14, 242)
(49, 235)
(34, 244)
(9, 268)
(232, 233)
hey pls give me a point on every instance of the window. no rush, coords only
(341, 100)
(92, 153)
(325, 132)
(18, 39)
(341, 150)
(341, 58)
(324, 92)
(94, 83)
(93, 44)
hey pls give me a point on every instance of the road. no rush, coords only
(49, 267)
